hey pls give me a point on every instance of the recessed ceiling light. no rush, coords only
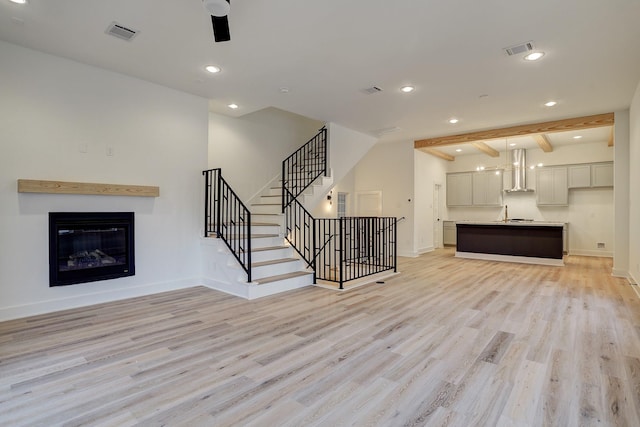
(453, 120)
(534, 56)
(577, 137)
(212, 69)
(19, 1)
(407, 89)
(540, 165)
(458, 150)
(550, 103)
(284, 90)
(513, 144)
(233, 106)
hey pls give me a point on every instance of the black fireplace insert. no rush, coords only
(90, 246)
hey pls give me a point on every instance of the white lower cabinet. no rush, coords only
(449, 233)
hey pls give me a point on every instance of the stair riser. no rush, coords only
(266, 209)
(277, 199)
(270, 218)
(265, 242)
(276, 269)
(255, 229)
(271, 255)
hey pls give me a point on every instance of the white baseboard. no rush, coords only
(425, 250)
(408, 254)
(43, 307)
(633, 280)
(615, 272)
(586, 252)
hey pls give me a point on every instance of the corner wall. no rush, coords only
(57, 119)
(250, 149)
(634, 187)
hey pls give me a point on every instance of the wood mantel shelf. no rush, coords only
(86, 188)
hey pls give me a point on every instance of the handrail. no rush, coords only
(227, 217)
(304, 166)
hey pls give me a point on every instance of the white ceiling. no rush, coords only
(326, 52)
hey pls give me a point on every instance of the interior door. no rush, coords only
(437, 216)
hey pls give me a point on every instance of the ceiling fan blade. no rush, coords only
(220, 28)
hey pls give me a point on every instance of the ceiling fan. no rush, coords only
(219, 9)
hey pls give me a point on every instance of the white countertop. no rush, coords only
(516, 223)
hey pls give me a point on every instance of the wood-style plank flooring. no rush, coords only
(447, 342)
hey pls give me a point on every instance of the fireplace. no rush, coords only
(90, 246)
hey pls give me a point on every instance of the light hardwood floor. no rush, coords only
(448, 342)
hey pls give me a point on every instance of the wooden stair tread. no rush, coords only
(269, 248)
(270, 279)
(253, 236)
(273, 262)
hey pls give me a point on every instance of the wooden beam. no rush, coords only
(586, 122)
(485, 149)
(543, 142)
(610, 142)
(86, 188)
(438, 153)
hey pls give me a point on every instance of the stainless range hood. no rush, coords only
(519, 171)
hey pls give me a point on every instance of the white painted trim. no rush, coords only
(620, 273)
(45, 307)
(604, 254)
(632, 279)
(408, 254)
(425, 250)
(511, 258)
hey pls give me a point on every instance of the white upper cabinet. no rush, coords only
(487, 188)
(602, 175)
(552, 186)
(459, 191)
(579, 176)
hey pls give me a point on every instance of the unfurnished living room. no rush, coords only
(319, 214)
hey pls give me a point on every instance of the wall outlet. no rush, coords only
(83, 147)
(600, 245)
(110, 150)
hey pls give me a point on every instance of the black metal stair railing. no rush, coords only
(304, 166)
(227, 218)
(337, 249)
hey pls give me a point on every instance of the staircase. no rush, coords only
(276, 244)
(275, 265)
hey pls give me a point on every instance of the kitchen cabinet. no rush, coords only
(579, 176)
(602, 175)
(459, 189)
(487, 188)
(474, 189)
(591, 175)
(552, 186)
(449, 233)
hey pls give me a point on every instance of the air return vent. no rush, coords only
(121, 32)
(519, 48)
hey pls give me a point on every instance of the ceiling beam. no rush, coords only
(610, 142)
(587, 122)
(485, 149)
(543, 142)
(438, 153)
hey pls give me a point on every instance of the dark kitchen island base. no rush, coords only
(539, 243)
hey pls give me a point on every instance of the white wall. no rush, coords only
(621, 195)
(50, 109)
(389, 168)
(428, 171)
(590, 213)
(634, 188)
(250, 149)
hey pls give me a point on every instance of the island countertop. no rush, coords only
(516, 223)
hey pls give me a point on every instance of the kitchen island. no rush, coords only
(530, 242)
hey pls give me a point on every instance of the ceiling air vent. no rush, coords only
(371, 90)
(121, 32)
(384, 131)
(519, 48)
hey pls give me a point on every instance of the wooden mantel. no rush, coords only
(86, 188)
